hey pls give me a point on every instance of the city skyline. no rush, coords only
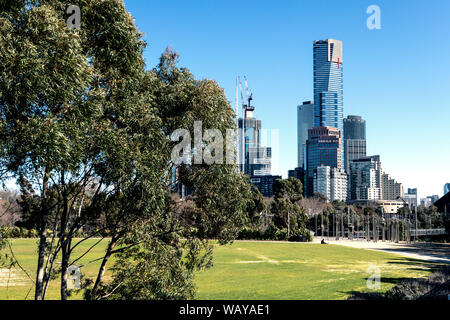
(195, 151)
(272, 46)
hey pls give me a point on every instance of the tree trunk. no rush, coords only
(65, 249)
(101, 271)
(39, 286)
(64, 266)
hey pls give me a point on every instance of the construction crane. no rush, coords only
(237, 126)
(249, 96)
(246, 106)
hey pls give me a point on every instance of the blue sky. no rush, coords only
(396, 78)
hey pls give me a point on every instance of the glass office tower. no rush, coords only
(305, 116)
(323, 147)
(354, 140)
(446, 188)
(328, 84)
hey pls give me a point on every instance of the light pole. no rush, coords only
(321, 223)
(289, 223)
(415, 217)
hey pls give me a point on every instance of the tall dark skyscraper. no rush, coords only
(305, 117)
(354, 140)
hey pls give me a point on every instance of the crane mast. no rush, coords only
(246, 106)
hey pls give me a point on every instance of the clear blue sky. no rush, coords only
(396, 78)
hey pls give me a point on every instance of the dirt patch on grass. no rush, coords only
(11, 278)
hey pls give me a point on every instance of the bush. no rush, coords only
(273, 233)
(281, 234)
(33, 233)
(16, 232)
(5, 232)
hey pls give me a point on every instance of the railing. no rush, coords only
(427, 232)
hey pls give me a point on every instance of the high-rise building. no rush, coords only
(411, 197)
(305, 118)
(392, 190)
(330, 182)
(429, 200)
(354, 139)
(328, 83)
(322, 181)
(446, 188)
(257, 159)
(426, 202)
(365, 179)
(323, 147)
(264, 184)
(339, 185)
(434, 198)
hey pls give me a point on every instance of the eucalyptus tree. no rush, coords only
(62, 95)
(165, 248)
(285, 207)
(89, 129)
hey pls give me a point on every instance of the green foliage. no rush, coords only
(255, 207)
(83, 122)
(285, 207)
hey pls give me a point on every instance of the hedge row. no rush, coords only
(16, 232)
(273, 233)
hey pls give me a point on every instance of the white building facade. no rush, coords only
(331, 182)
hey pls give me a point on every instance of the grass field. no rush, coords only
(254, 270)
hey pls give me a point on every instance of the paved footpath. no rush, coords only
(436, 252)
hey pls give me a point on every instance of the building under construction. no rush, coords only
(254, 159)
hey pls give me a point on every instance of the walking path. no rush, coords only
(436, 252)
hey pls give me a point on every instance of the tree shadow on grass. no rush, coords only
(418, 265)
(436, 250)
(411, 288)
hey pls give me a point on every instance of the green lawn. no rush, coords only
(25, 251)
(257, 270)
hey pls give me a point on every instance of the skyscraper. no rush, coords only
(392, 190)
(354, 140)
(330, 182)
(411, 197)
(322, 181)
(257, 158)
(328, 84)
(446, 188)
(323, 147)
(305, 118)
(366, 179)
